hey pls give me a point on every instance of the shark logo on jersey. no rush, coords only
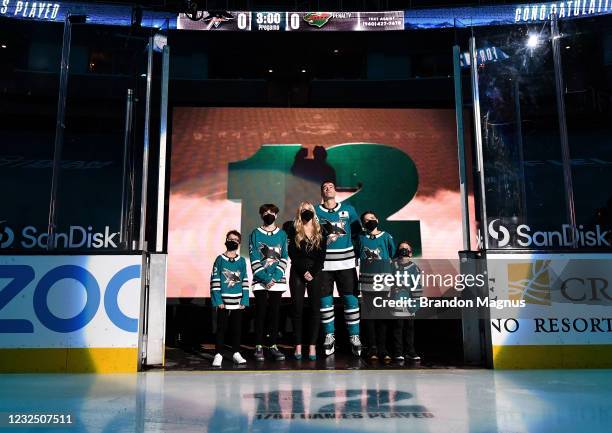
(271, 255)
(372, 254)
(231, 278)
(333, 228)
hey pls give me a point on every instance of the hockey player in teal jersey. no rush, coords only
(229, 290)
(269, 257)
(376, 250)
(341, 225)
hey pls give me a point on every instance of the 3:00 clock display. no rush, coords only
(294, 21)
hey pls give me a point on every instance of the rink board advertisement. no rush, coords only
(567, 318)
(226, 162)
(69, 313)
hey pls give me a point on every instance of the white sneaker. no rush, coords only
(217, 361)
(238, 359)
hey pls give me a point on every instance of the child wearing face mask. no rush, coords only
(403, 328)
(376, 249)
(268, 254)
(229, 288)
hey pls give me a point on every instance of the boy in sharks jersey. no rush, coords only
(403, 328)
(340, 224)
(376, 250)
(229, 289)
(269, 257)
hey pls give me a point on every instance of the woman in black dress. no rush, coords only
(307, 253)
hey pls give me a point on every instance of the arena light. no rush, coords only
(532, 41)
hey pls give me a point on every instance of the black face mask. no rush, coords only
(404, 252)
(268, 219)
(371, 225)
(306, 215)
(231, 245)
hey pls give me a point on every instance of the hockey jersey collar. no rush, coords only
(267, 233)
(376, 236)
(230, 259)
(406, 266)
(334, 209)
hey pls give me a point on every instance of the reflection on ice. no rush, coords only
(388, 401)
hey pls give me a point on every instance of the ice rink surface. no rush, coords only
(388, 401)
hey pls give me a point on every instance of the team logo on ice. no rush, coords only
(333, 405)
(231, 278)
(271, 255)
(317, 19)
(529, 282)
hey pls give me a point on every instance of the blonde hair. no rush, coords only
(300, 233)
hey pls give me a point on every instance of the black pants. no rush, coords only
(403, 335)
(299, 286)
(229, 320)
(266, 302)
(374, 335)
(376, 331)
(345, 279)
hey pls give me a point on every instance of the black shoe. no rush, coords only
(259, 355)
(277, 354)
(412, 356)
(372, 354)
(385, 357)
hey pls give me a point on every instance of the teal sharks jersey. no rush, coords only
(412, 271)
(375, 255)
(229, 282)
(339, 225)
(269, 258)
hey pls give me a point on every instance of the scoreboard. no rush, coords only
(410, 19)
(293, 21)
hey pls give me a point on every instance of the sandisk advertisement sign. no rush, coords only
(526, 236)
(69, 301)
(74, 237)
